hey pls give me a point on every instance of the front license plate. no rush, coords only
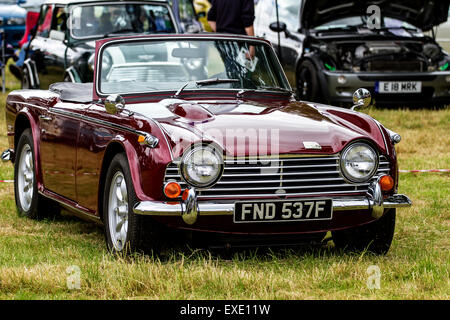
(283, 210)
(398, 87)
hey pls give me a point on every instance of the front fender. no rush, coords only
(33, 122)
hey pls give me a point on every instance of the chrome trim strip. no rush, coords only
(158, 208)
(277, 181)
(290, 195)
(290, 187)
(284, 167)
(102, 122)
(78, 210)
(30, 105)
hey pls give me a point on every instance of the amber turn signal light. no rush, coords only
(141, 139)
(386, 183)
(172, 190)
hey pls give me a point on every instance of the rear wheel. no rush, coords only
(307, 82)
(125, 231)
(375, 237)
(28, 201)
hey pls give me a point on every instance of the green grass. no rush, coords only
(34, 255)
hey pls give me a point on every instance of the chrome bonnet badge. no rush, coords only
(312, 145)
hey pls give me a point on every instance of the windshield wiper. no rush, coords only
(274, 89)
(206, 82)
(277, 89)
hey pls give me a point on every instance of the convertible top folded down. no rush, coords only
(73, 92)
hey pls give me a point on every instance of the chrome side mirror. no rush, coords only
(361, 99)
(114, 104)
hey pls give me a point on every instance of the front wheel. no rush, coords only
(28, 201)
(375, 237)
(308, 82)
(125, 231)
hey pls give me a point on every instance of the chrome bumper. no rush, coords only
(190, 208)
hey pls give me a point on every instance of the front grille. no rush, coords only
(394, 66)
(296, 176)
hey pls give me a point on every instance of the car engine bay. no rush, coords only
(382, 56)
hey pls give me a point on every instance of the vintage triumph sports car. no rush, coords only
(202, 134)
(330, 48)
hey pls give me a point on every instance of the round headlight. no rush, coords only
(359, 162)
(202, 166)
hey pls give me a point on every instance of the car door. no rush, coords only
(60, 127)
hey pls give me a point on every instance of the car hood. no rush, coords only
(423, 14)
(280, 127)
(12, 11)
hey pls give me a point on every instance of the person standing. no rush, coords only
(232, 16)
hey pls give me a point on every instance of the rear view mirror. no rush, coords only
(114, 104)
(278, 26)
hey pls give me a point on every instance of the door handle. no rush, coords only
(45, 118)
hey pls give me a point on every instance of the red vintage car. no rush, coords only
(202, 134)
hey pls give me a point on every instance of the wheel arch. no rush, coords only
(115, 147)
(23, 122)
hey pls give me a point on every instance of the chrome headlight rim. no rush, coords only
(351, 179)
(188, 153)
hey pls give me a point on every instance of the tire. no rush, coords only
(29, 202)
(136, 233)
(308, 87)
(375, 237)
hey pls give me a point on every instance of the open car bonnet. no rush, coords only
(423, 14)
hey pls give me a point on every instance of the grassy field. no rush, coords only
(36, 257)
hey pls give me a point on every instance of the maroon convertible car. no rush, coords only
(202, 134)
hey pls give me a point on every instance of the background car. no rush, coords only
(12, 20)
(206, 139)
(328, 49)
(62, 46)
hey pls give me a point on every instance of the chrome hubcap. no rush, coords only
(118, 211)
(25, 178)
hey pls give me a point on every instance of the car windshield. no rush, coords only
(89, 21)
(169, 65)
